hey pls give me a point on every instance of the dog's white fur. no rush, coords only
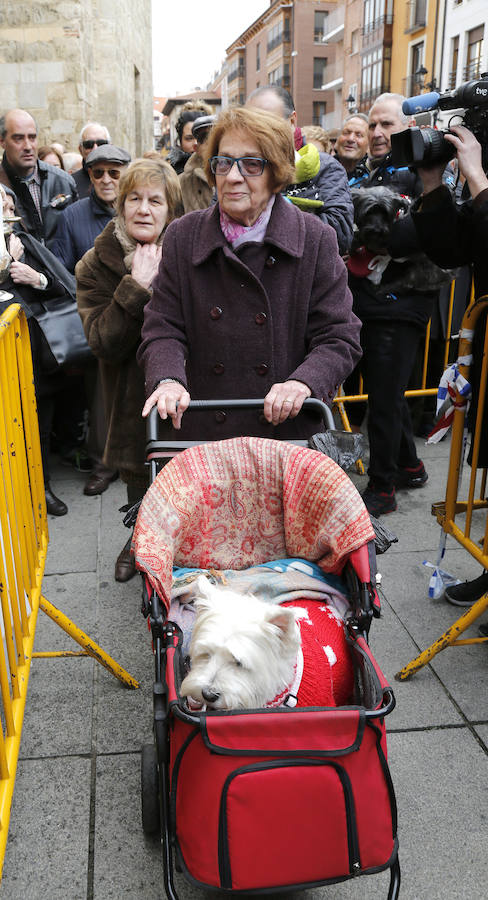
(243, 651)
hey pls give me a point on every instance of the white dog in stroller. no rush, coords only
(248, 654)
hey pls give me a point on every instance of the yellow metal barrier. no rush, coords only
(453, 507)
(23, 546)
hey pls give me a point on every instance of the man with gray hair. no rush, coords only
(91, 135)
(351, 148)
(393, 319)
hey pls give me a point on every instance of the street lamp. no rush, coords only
(351, 103)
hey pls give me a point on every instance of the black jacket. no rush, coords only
(78, 226)
(457, 235)
(376, 302)
(82, 181)
(58, 190)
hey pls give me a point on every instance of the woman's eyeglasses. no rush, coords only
(99, 173)
(247, 165)
(89, 145)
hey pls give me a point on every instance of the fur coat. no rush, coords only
(195, 189)
(111, 305)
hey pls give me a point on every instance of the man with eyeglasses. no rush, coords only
(81, 223)
(42, 190)
(77, 229)
(92, 135)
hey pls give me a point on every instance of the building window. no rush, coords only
(319, 111)
(454, 62)
(319, 25)
(278, 34)
(258, 57)
(319, 72)
(355, 41)
(375, 76)
(474, 52)
(236, 69)
(280, 76)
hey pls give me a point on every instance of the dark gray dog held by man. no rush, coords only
(375, 211)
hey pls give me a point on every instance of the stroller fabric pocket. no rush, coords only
(307, 830)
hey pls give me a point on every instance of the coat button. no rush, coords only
(219, 368)
(260, 318)
(220, 416)
(270, 262)
(262, 369)
(215, 312)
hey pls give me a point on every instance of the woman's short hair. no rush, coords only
(158, 173)
(47, 150)
(271, 133)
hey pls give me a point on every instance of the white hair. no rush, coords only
(397, 98)
(94, 125)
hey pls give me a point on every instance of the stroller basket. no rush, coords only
(267, 799)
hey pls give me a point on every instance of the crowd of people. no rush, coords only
(229, 269)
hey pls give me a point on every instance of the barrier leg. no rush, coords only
(90, 646)
(448, 639)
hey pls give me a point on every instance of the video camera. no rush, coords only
(428, 146)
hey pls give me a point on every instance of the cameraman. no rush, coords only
(457, 235)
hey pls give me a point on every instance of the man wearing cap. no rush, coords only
(91, 135)
(195, 189)
(42, 190)
(81, 223)
(78, 227)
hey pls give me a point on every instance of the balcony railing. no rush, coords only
(367, 97)
(416, 15)
(451, 80)
(412, 86)
(333, 76)
(377, 24)
(472, 70)
(282, 38)
(236, 73)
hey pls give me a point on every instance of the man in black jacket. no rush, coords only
(42, 190)
(393, 322)
(455, 235)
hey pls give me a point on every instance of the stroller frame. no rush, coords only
(155, 760)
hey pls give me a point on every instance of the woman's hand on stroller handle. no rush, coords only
(285, 400)
(171, 399)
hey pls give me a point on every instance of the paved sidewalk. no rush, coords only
(75, 831)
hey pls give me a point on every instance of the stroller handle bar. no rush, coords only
(310, 404)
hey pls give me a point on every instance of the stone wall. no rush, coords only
(73, 61)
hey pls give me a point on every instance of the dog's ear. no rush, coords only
(283, 617)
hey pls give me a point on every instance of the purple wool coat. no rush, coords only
(230, 324)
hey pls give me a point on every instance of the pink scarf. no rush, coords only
(237, 234)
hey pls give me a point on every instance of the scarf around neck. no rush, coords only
(237, 234)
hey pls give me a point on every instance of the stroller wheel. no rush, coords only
(150, 791)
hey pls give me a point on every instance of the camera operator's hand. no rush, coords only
(431, 177)
(468, 151)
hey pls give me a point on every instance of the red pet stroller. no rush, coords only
(266, 799)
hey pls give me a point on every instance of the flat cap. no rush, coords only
(108, 153)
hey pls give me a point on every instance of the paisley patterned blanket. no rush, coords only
(242, 502)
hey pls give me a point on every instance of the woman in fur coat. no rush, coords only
(113, 286)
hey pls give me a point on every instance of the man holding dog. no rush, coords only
(392, 325)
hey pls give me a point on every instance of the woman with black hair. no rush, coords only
(187, 143)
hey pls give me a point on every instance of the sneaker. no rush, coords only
(411, 478)
(467, 593)
(378, 503)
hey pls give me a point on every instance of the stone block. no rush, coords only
(61, 126)
(32, 96)
(9, 98)
(50, 71)
(9, 74)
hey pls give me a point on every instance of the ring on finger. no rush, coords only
(287, 400)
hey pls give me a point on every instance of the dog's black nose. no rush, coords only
(209, 696)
